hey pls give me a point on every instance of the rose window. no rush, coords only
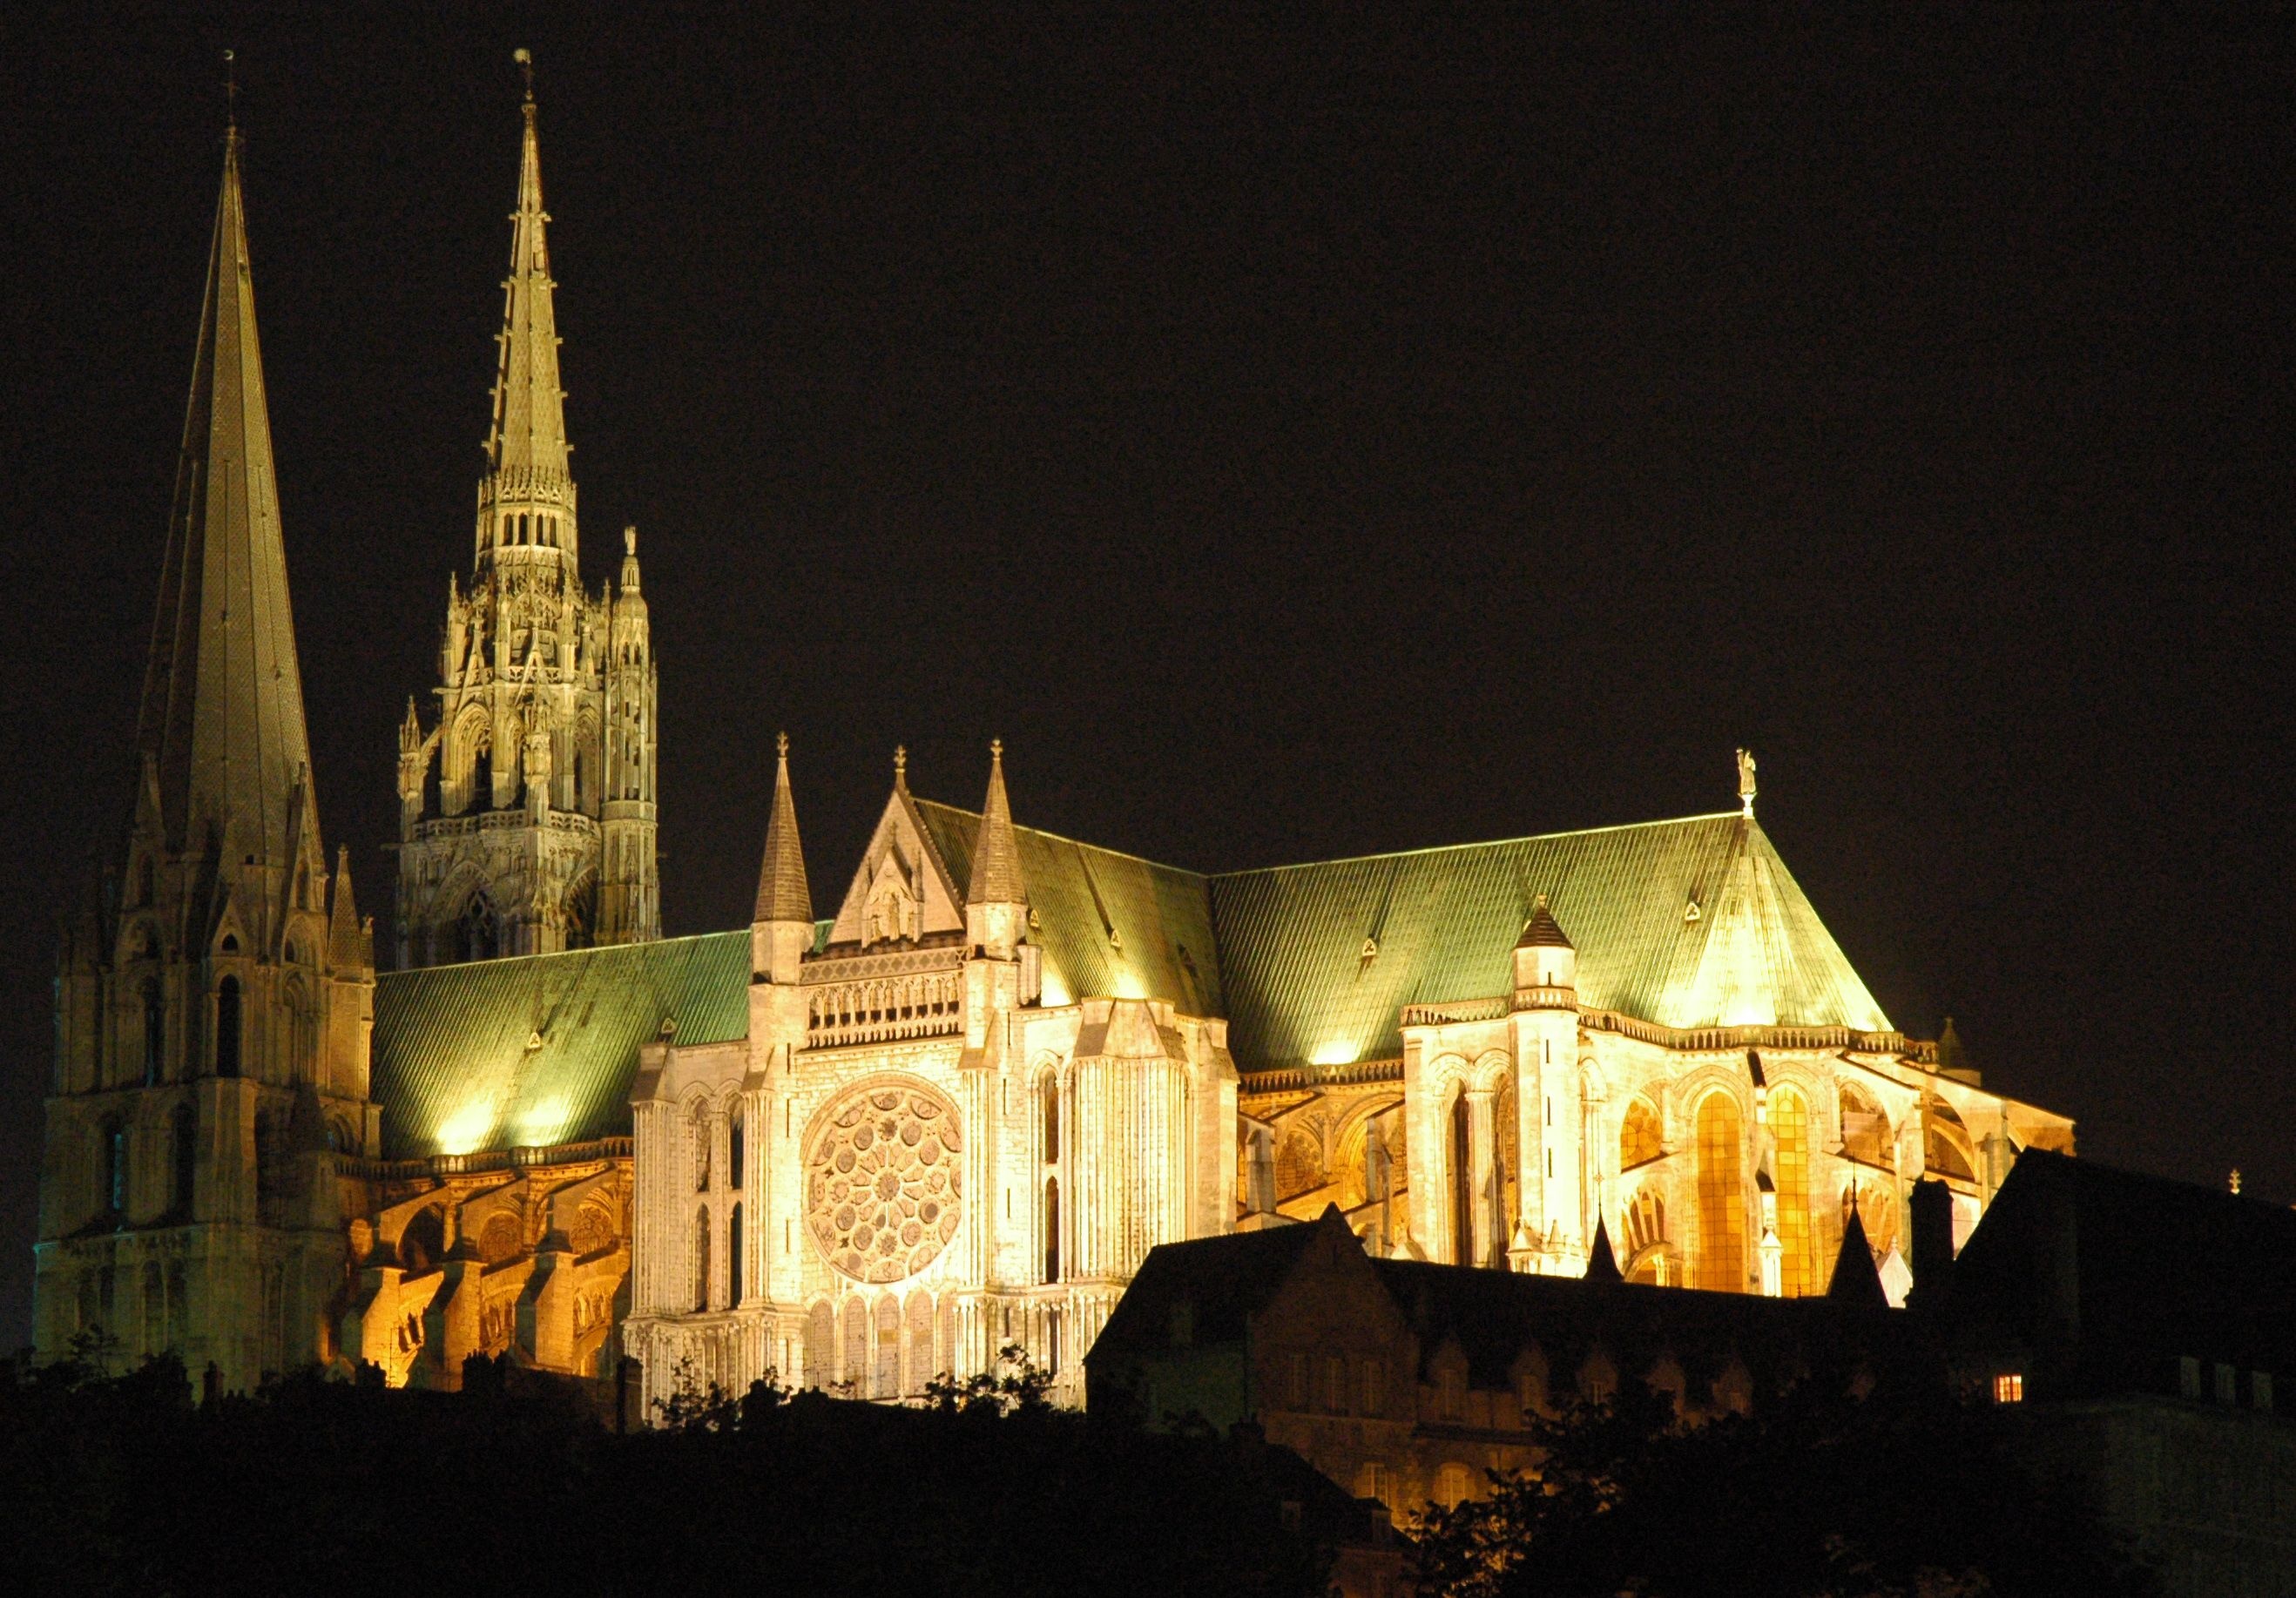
(882, 1187)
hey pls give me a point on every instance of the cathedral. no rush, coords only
(869, 1140)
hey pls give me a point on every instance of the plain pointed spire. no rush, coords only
(996, 855)
(222, 713)
(782, 895)
(528, 442)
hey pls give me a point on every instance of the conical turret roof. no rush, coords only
(782, 895)
(996, 855)
(222, 713)
(1542, 931)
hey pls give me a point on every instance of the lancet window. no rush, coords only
(1721, 1264)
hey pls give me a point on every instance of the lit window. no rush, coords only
(2226, 1379)
(1371, 1481)
(1375, 1390)
(2259, 1390)
(2188, 1377)
(2009, 1388)
(1452, 1486)
(1454, 1394)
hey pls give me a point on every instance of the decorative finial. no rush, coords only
(525, 60)
(781, 745)
(629, 540)
(2236, 1180)
(997, 750)
(901, 762)
(1746, 782)
(231, 93)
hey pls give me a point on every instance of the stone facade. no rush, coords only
(912, 1159)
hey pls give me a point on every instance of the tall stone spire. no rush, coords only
(222, 715)
(525, 446)
(782, 895)
(996, 855)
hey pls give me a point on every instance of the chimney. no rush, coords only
(1933, 1225)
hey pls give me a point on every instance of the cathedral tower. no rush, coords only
(526, 810)
(213, 1001)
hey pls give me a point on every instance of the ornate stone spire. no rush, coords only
(527, 444)
(222, 715)
(997, 853)
(782, 895)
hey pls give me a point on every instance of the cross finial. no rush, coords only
(231, 93)
(781, 745)
(525, 60)
(2235, 1179)
(901, 761)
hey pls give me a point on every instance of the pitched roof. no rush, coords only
(1542, 931)
(1225, 1281)
(1109, 924)
(222, 715)
(2160, 1268)
(541, 1049)
(1687, 923)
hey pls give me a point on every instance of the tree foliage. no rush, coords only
(1906, 1493)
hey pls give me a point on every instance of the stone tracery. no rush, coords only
(883, 1188)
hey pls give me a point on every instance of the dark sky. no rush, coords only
(1292, 442)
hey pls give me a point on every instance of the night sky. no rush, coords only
(1293, 443)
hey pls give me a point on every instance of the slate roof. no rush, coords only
(2159, 1269)
(1225, 1280)
(452, 1065)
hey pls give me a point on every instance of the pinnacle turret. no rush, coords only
(782, 895)
(222, 715)
(996, 855)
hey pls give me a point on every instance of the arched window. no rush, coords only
(820, 1346)
(697, 1135)
(114, 1134)
(734, 1256)
(923, 1366)
(1049, 1095)
(474, 934)
(143, 881)
(736, 1147)
(226, 1046)
(1639, 1137)
(302, 1028)
(1721, 1264)
(1790, 1130)
(424, 1240)
(1052, 1229)
(1463, 1186)
(1864, 1129)
(702, 1258)
(155, 1032)
(582, 913)
(856, 1372)
(885, 1377)
(183, 1154)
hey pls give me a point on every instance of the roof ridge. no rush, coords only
(1481, 843)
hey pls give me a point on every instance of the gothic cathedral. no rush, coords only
(864, 1149)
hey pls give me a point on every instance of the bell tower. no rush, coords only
(214, 997)
(527, 809)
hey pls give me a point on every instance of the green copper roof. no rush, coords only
(1108, 924)
(454, 1070)
(1687, 923)
(1319, 960)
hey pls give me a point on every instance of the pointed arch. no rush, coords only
(1721, 1260)
(1640, 1141)
(1789, 1132)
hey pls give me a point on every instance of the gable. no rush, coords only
(900, 861)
